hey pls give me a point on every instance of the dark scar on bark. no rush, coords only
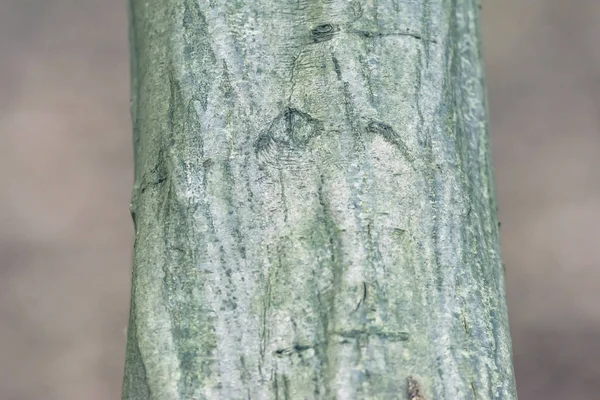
(391, 136)
(414, 389)
(288, 134)
(322, 33)
(336, 67)
(296, 349)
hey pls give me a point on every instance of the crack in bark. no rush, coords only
(391, 336)
(373, 35)
(475, 397)
(289, 351)
(363, 298)
(336, 67)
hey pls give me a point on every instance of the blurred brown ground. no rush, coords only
(66, 162)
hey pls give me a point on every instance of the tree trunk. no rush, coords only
(314, 204)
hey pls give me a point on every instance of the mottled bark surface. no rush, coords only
(314, 203)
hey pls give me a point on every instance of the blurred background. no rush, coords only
(66, 176)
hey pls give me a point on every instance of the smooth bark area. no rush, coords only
(314, 203)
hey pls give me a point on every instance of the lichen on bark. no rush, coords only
(314, 203)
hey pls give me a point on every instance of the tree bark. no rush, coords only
(314, 205)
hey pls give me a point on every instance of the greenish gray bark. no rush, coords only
(314, 203)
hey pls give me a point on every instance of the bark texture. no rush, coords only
(314, 203)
